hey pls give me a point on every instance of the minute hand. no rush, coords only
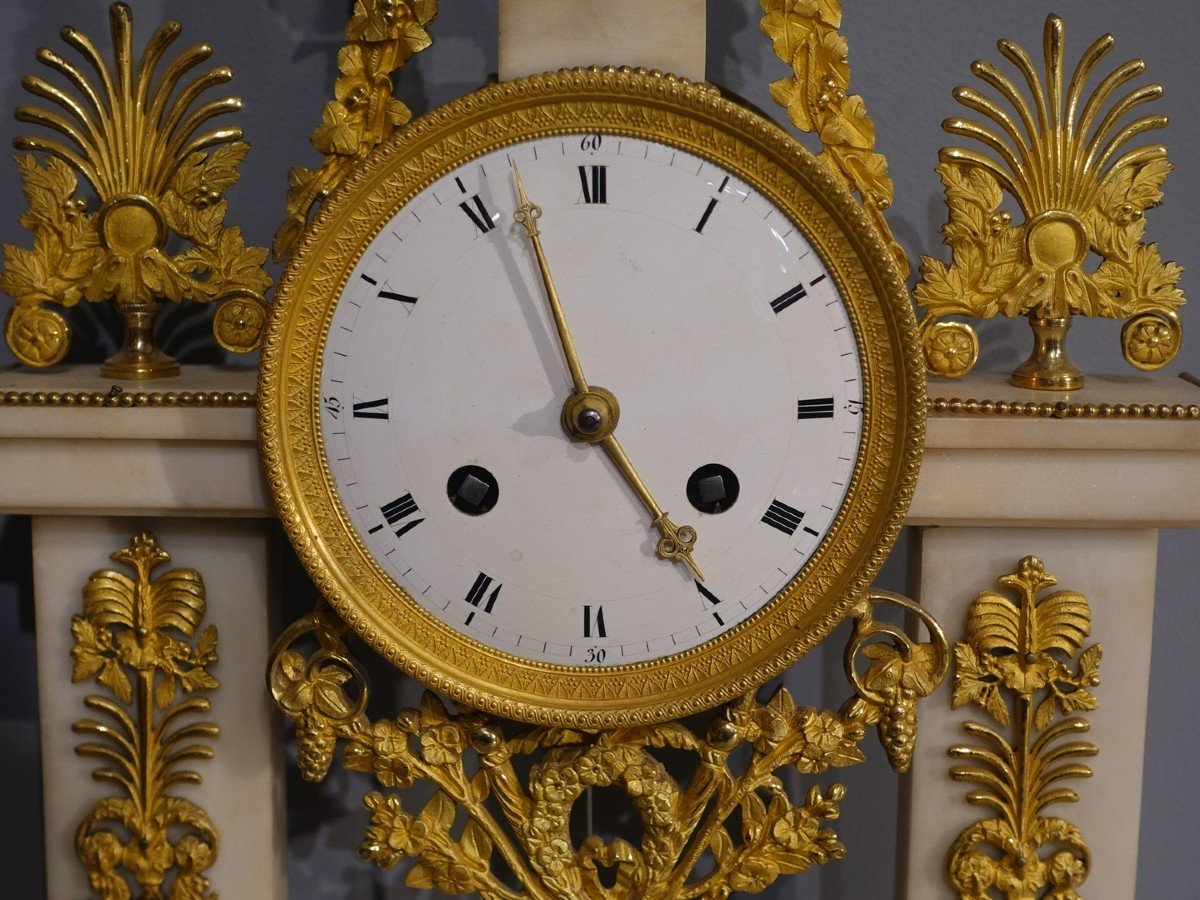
(527, 214)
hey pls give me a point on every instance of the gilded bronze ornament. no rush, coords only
(519, 825)
(1061, 162)
(1030, 650)
(134, 141)
(956, 406)
(117, 398)
(126, 640)
(804, 34)
(381, 36)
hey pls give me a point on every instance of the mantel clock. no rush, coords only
(592, 398)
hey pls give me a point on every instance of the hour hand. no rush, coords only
(677, 541)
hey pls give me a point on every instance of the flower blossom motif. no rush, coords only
(1027, 677)
(1066, 870)
(641, 780)
(657, 809)
(823, 735)
(240, 322)
(390, 756)
(393, 834)
(975, 872)
(193, 854)
(949, 350)
(550, 786)
(451, 877)
(1151, 343)
(552, 856)
(795, 829)
(148, 859)
(39, 333)
(590, 768)
(547, 817)
(102, 851)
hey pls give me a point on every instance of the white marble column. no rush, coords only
(1086, 494)
(184, 467)
(543, 35)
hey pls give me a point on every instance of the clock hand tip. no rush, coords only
(517, 179)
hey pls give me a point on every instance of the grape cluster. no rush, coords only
(898, 725)
(315, 743)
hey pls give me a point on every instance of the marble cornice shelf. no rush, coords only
(198, 458)
(1037, 470)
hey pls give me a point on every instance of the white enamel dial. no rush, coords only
(692, 298)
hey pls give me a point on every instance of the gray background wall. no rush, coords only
(905, 58)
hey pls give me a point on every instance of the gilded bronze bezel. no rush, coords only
(689, 117)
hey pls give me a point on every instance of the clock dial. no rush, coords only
(690, 296)
(492, 434)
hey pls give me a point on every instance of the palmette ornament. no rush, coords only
(1064, 158)
(496, 525)
(140, 638)
(1025, 646)
(133, 133)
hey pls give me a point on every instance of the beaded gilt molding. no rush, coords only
(1030, 409)
(117, 397)
(1061, 161)
(381, 36)
(515, 841)
(1028, 649)
(134, 140)
(128, 641)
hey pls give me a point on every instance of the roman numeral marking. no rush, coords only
(593, 624)
(706, 593)
(392, 295)
(787, 298)
(479, 216)
(785, 518)
(368, 279)
(595, 183)
(724, 182)
(399, 510)
(712, 204)
(816, 281)
(371, 409)
(817, 408)
(811, 531)
(479, 590)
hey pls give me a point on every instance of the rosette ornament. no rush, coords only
(137, 141)
(1063, 159)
